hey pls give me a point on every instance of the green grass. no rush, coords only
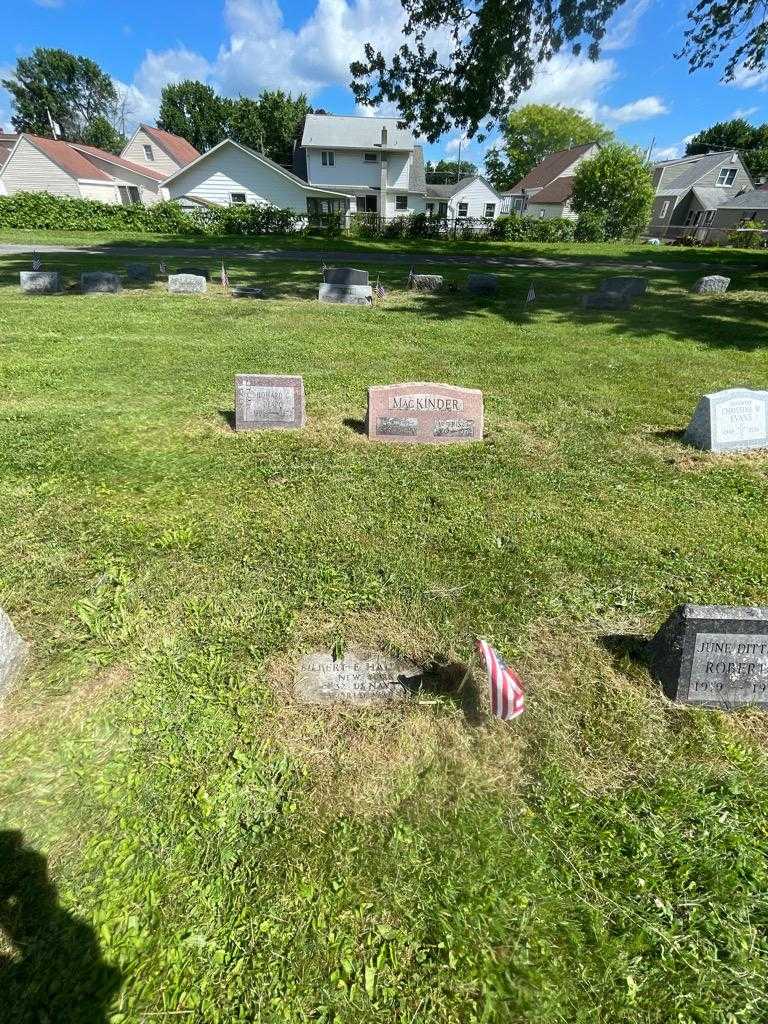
(222, 854)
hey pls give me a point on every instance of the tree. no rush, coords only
(282, 118)
(533, 132)
(750, 140)
(615, 184)
(496, 45)
(449, 171)
(73, 90)
(244, 123)
(497, 171)
(103, 135)
(195, 112)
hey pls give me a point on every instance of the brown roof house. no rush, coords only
(546, 190)
(62, 168)
(159, 150)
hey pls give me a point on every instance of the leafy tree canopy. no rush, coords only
(448, 171)
(615, 185)
(103, 135)
(534, 131)
(750, 140)
(195, 112)
(80, 97)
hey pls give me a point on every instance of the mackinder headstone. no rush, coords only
(100, 282)
(187, 284)
(711, 284)
(13, 654)
(40, 282)
(483, 284)
(346, 285)
(268, 401)
(361, 677)
(733, 420)
(713, 656)
(423, 413)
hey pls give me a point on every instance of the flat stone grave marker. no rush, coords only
(196, 271)
(483, 284)
(40, 282)
(713, 656)
(268, 401)
(344, 277)
(426, 282)
(187, 284)
(634, 286)
(100, 282)
(142, 272)
(607, 300)
(13, 654)
(734, 420)
(423, 413)
(361, 677)
(241, 291)
(711, 284)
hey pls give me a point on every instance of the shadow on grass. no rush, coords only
(51, 967)
(449, 679)
(228, 416)
(625, 647)
(357, 426)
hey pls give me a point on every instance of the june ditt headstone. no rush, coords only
(187, 284)
(13, 654)
(424, 413)
(713, 656)
(243, 291)
(40, 282)
(730, 421)
(268, 402)
(100, 282)
(361, 677)
(711, 284)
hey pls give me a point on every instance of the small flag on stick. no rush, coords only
(163, 269)
(531, 297)
(37, 263)
(224, 277)
(507, 694)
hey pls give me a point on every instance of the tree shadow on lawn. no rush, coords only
(51, 967)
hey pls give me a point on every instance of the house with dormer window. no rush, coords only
(691, 190)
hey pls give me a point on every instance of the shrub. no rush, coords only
(590, 227)
(515, 227)
(750, 236)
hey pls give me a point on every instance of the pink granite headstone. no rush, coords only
(424, 413)
(268, 402)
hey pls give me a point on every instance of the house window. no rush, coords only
(129, 195)
(490, 209)
(463, 209)
(726, 176)
(237, 198)
(328, 158)
(664, 210)
(430, 208)
(370, 158)
(401, 202)
(321, 207)
(542, 214)
(148, 154)
(442, 209)
(693, 218)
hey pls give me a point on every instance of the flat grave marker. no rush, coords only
(187, 284)
(607, 300)
(361, 677)
(483, 284)
(426, 282)
(40, 282)
(269, 402)
(13, 654)
(424, 413)
(734, 420)
(634, 286)
(100, 282)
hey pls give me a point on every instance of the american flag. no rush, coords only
(224, 277)
(163, 270)
(507, 694)
(531, 297)
(37, 263)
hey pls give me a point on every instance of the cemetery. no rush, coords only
(247, 551)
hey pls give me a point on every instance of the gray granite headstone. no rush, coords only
(483, 284)
(40, 282)
(266, 401)
(241, 291)
(634, 286)
(100, 282)
(349, 295)
(187, 284)
(139, 272)
(607, 300)
(344, 277)
(195, 271)
(734, 420)
(713, 656)
(361, 677)
(426, 282)
(711, 284)
(13, 654)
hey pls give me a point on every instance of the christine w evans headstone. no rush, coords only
(713, 656)
(13, 653)
(268, 401)
(359, 678)
(422, 413)
(730, 421)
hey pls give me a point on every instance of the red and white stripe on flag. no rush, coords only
(507, 693)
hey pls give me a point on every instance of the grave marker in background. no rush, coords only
(346, 285)
(268, 401)
(711, 284)
(734, 420)
(100, 282)
(139, 272)
(423, 413)
(187, 284)
(40, 282)
(483, 284)
(13, 654)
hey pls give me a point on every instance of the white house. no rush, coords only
(545, 192)
(153, 147)
(472, 197)
(62, 168)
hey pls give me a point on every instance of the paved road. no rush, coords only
(349, 257)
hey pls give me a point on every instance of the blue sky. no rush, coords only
(637, 87)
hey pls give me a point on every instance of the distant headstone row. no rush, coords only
(615, 293)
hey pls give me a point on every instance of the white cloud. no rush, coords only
(746, 78)
(667, 153)
(744, 111)
(142, 96)
(637, 110)
(453, 145)
(571, 82)
(622, 29)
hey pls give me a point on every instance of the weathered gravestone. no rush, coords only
(346, 285)
(187, 284)
(730, 421)
(711, 284)
(361, 677)
(483, 284)
(195, 271)
(634, 286)
(713, 656)
(268, 401)
(607, 300)
(13, 654)
(139, 273)
(100, 282)
(242, 291)
(40, 282)
(422, 413)
(426, 282)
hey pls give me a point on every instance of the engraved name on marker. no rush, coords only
(740, 419)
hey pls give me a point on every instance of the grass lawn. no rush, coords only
(180, 841)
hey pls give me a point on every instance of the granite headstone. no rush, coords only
(711, 284)
(734, 420)
(40, 282)
(483, 284)
(607, 300)
(268, 401)
(348, 295)
(634, 286)
(713, 656)
(13, 654)
(100, 282)
(426, 282)
(187, 284)
(361, 677)
(424, 413)
(139, 273)
(344, 277)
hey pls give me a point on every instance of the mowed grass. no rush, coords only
(220, 853)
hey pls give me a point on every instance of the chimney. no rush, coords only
(383, 136)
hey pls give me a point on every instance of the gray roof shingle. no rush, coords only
(691, 169)
(755, 199)
(337, 131)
